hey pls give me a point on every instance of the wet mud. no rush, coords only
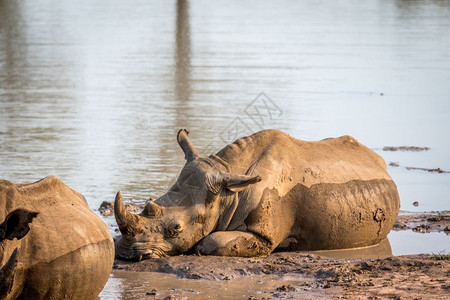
(298, 275)
(424, 222)
(293, 275)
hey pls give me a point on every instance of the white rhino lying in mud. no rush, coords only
(263, 192)
(52, 246)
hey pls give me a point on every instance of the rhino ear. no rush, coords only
(16, 224)
(152, 210)
(188, 148)
(237, 183)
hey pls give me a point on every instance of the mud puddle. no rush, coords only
(284, 275)
(381, 250)
(334, 274)
(153, 285)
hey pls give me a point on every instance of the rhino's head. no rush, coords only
(189, 211)
(15, 226)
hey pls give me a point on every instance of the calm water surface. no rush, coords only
(95, 91)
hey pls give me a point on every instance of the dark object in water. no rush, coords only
(438, 170)
(406, 148)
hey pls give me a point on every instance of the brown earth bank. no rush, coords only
(403, 277)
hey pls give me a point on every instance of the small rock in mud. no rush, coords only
(106, 208)
(366, 266)
(151, 293)
(281, 291)
(394, 164)
(285, 288)
(322, 274)
(422, 228)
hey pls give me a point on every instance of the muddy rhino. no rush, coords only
(52, 246)
(263, 192)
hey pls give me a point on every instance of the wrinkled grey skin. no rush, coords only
(263, 192)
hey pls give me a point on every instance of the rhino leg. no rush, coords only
(233, 243)
(7, 273)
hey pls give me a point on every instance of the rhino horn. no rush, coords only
(129, 223)
(189, 150)
(7, 274)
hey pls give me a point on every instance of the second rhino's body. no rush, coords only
(52, 246)
(266, 191)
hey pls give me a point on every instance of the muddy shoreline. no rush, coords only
(425, 276)
(423, 222)
(417, 276)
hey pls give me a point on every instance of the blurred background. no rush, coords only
(94, 92)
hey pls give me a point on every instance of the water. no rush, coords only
(136, 285)
(95, 91)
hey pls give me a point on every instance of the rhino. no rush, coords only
(52, 246)
(264, 192)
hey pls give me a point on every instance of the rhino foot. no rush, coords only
(233, 243)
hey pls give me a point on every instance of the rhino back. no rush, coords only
(66, 240)
(278, 158)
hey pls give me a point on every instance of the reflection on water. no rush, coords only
(183, 53)
(94, 92)
(409, 242)
(129, 285)
(381, 250)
